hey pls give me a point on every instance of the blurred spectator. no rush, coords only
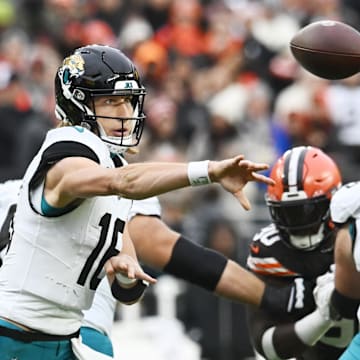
(342, 102)
(274, 28)
(300, 111)
(222, 38)
(157, 12)
(114, 12)
(63, 23)
(151, 59)
(283, 70)
(267, 31)
(256, 127)
(38, 77)
(160, 142)
(135, 31)
(192, 117)
(97, 32)
(336, 10)
(226, 110)
(14, 48)
(15, 109)
(183, 34)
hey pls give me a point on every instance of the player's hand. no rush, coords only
(233, 174)
(325, 285)
(296, 298)
(128, 267)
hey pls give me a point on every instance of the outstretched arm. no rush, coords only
(345, 212)
(347, 277)
(162, 248)
(76, 177)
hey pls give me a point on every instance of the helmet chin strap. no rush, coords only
(307, 242)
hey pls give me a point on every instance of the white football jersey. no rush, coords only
(345, 204)
(101, 314)
(55, 263)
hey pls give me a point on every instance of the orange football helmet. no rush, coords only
(306, 178)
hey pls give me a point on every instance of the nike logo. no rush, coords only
(327, 250)
(255, 249)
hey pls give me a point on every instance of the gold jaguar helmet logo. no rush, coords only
(73, 66)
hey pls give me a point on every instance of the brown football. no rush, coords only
(328, 49)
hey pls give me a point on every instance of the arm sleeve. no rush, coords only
(149, 207)
(196, 264)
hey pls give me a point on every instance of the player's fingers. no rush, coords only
(245, 203)
(239, 158)
(262, 178)
(131, 273)
(250, 165)
(135, 271)
(259, 166)
(146, 277)
(109, 268)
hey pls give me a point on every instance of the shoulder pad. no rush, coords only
(345, 203)
(267, 236)
(77, 134)
(261, 259)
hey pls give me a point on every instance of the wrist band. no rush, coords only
(198, 173)
(130, 295)
(124, 279)
(342, 306)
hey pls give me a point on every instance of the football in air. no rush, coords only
(328, 49)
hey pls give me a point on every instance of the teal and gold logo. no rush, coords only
(73, 66)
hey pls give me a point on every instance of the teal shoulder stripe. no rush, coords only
(51, 211)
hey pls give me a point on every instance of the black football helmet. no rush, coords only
(98, 70)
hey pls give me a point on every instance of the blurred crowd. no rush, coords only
(220, 80)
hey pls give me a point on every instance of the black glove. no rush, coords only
(295, 299)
